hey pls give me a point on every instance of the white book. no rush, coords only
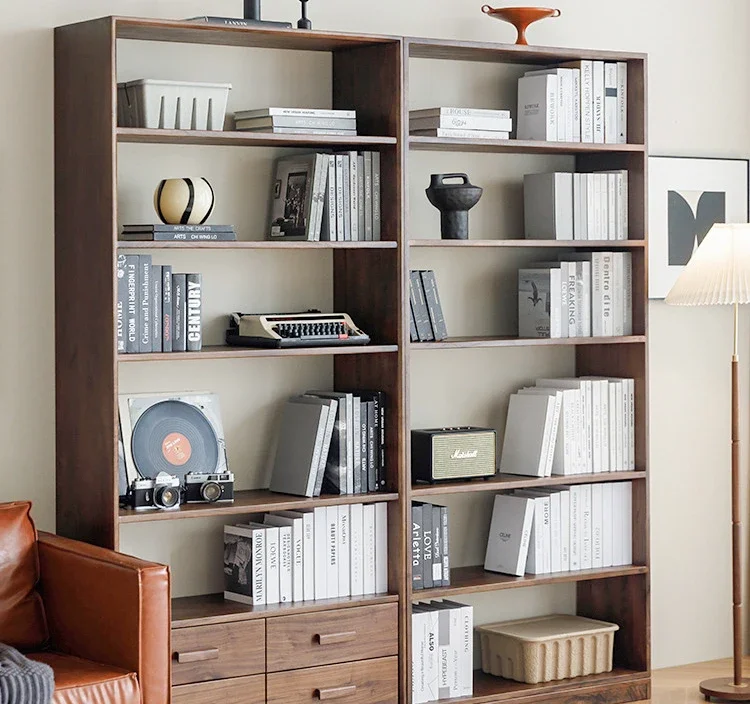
(585, 95)
(574, 314)
(576, 105)
(356, 552)
(538, 303)
(368, 553)
(466, 649)
(332, 552)
(461, 122)
(602, 386)
(595, 298)
(344, 550)
(585, 527)
(354, 201)
(598, 98)
(597, 526)
(622, 102)
(556, 448)
(613, 459)
(580, 231)
(618, 524)
(607, 294)
(611, 104)
(582, 387)
(627, 529)
(460, 112)
(423, 636)
(596, 425)
(306, 516)
(510, 533)
(607, 528)
(565, 120)
(576, 544)
(565, 330)
(340, 185)
(548, 206)
(257, 559)
(539, 560)
(583, 289)
(621, 204)
(630, 405)
(528, 432)
(555, 514)
(602, 206)
(432, 660)
(294, 112)
(455, 648)
(453, 133)
(330, 209)
(591, 207)
(381, 548)
(620, 420)
(537, 108)
(564, 529)
(612, 205)
(627, 290)
(320, 561)
(618, 293)
(292, 564)
(272, 562)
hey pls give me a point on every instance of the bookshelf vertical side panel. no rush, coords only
(637, 126)
(85, 216)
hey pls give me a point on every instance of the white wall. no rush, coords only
(699, 99)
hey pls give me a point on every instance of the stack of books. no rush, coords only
(462, 123)
(430, 564)
(297, 121)
(331, 442)
(329, 197)
(569, 528)
(570, 426)
(157, 311)
(579, 101)
(589, 294)
(426, 321)
(442, 651)
(178, 233)
(325, 552)
(576, 206)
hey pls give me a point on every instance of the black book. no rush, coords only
(156, 308)
(194, 319)
(427, 547)
(365, 463)
(144, 302)
(166, 308)
(239, 22)
(178, 313)
(122, 302)
(132, 308)
(417, 581)
(413, 335)
(437, 548)
(178, 237)
(419, 306)
(434, 309)
(372, 450)
(446, 546)
(378, 400)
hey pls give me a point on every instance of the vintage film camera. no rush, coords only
(163, 492)
(202, 487)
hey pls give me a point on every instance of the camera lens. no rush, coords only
(211, 491)
(166, 496)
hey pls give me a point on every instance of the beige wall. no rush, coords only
(699, 99)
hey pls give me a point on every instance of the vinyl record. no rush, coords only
(174, 437)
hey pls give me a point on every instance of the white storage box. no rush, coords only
(172, 104)
(547, 648)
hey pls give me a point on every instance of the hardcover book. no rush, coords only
(245, 565)
(194, 315)
(297, 179)
(179, 312)
(537, 108)
(510, 533)
(144, 302)
(434, 308)
(122, 301)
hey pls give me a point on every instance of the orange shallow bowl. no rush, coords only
(520, 17)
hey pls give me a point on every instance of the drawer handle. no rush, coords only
(198, 655)
(333, 638)
(335, 692)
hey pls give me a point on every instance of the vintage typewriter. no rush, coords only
(310, 329)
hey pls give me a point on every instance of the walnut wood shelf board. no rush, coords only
(517, 146)
(136, 135)
(227, 352)
(470, 580)
(509, 482)
(532, 244)
(254, 501)
(509, 341)
(258, 244)
(213, 608)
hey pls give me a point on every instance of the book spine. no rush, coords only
(166, 308)
(417, 563)
(596, 427)
(300, 122)
(194, 306)
(306, 130)
(607, 528)
(535, 560)
(122, 302)
(587, 101)
(578, 212)
(444, 659)
(381, 548)
(624, 205)
(285, 564)
(354, 195)
(618, 294)
(627, 543)
(612, 207)
(555, 533)
(631, 423)
(272, 566)
(604, 398)
(446, 546)
(575, 527)
(421, 313)
(437, 548)
(309, 585)
(460, 112)
(344, 551)
(608, 328)
(552, 112)
(611, 106)
(622, 102)
(585, 514)
(576, 101)
(428, 550)
(144, 301)
(298, 112)
(224, 236)
(627, 292)
(357, 452)
(350, 435)
(298, 560)
(368, 195)
(621, 399)
(368, 531)
(566, 84)
(598, 101)
(413, 335)
(330, 210)
(419, 640)
(372, 448)
(367, 486)
(618, 524)
(462, 134)
(179, 312)
(556, 310)
(319, 196)
(320, 557)
(597, 524)
(259, 567)
(357, 549)
(573, 302)
(340, 231)
(434, 309)
(597, 314)
(612, 389)
(156, 308)
(332, 551)
(455, 122)
(565, 531)
(347, 194)
(361, 197)
(376, 197)
(132, 308)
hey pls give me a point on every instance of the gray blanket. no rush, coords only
(23, 681)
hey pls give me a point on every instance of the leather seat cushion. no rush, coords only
(22, 621)
(79, 681)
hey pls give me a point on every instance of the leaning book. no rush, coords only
(297, 197)
(244, 565)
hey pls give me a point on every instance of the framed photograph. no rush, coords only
(686, 197)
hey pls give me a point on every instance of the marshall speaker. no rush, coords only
(439, 454)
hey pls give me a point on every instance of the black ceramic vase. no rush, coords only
(453, 200)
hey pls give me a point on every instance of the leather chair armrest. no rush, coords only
(109, 608)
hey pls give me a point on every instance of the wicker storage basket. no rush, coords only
(547, 648)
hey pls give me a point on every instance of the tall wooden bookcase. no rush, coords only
(370, 281)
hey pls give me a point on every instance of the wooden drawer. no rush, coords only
(364, 682)
(308, 640)
(216, 652)
(238, 690)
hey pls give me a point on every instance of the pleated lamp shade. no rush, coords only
(718, 273)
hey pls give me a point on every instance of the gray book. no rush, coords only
(166, 308)
(339, 169)
(340, 455)
(156, 308)
(368, 195)
(548, 206)
(178, 313)
(376, 220)
(419, 305)
(427, 546)
(347, 193)
(299, 448)
(354, 195)
(132, 324)
(144, 302)
(437, 548)
(413, 334)
(361, 196)
(328, 227)
(357, 446)
(122, 303)
(332, 406)
(194, 315)
(417, 581)
(365, 455)
(434, 309)
(322, 123)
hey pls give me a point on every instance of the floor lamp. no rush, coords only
(719, 274)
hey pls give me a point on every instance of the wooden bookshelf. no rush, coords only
(370, 281)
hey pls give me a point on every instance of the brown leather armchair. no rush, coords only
(100, 619)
